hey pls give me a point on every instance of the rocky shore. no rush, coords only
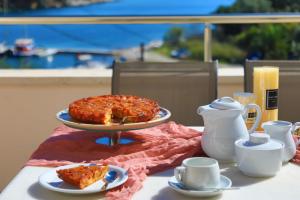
(16, 5)
(84, 2)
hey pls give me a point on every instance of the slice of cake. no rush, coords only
(83, 176)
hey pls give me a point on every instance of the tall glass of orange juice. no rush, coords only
(246, 98)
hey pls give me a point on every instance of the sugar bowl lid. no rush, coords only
(226, 103)
(260, 141)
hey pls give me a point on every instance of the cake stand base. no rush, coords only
(114, 139)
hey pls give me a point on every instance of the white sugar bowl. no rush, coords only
(259, 156)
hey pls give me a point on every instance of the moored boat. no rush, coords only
(24, 47)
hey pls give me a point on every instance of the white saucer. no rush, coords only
(175, 185)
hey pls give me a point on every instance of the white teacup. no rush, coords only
(198, 173)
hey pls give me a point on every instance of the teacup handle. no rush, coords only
(258, 116)
(178, 173)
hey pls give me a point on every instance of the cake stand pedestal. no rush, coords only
(114, 139)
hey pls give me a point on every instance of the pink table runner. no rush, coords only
(158, 148)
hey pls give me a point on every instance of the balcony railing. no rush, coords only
(208, 20)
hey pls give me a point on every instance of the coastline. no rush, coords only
(83, 2)
(36, 5)
(134, 53)
(86, 58)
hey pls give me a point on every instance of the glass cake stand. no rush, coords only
(114, 130)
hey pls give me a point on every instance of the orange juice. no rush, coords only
(246, 98)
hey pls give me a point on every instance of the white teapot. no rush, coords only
(223, 125)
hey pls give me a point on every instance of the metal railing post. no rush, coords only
(207, 43)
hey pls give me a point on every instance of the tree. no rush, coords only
(246, 6)
(272, 41)
(174, 37)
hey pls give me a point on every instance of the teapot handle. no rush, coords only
(258, 116)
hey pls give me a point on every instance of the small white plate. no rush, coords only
(51, 181)
(224, 183)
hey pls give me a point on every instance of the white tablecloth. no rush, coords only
(284, 186)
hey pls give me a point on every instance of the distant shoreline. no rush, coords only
(35, 5)
(85, 2)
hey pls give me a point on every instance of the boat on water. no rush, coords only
(3, 48)
(86, 61)
(25, 47)
(45, 52)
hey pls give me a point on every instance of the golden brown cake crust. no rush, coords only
(83, 176)
(107, 108)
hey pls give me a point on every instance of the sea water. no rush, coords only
(105, 37)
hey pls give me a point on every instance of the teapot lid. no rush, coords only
(226, 103)
(259, 141)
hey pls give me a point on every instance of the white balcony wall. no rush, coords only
(31, 98)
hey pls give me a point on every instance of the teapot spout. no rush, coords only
(201, 110)
(205, 111)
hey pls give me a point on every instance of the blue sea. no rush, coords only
(106, 37)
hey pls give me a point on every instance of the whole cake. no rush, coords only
(113, 108)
